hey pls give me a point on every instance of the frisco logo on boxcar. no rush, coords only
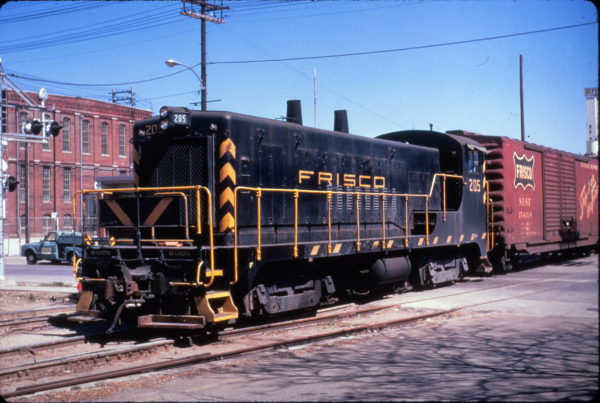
(524, 171)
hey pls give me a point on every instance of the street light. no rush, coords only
(173, 63)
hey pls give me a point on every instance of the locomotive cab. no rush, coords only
(466, 205)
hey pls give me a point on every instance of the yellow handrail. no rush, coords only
(198, 189)
(329, 193)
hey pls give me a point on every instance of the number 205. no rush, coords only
(474, 185)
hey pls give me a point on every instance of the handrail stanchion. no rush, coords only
(258, 226)
(329, 222)
(427, 219)
(296, 196)
(406, 221)
(444, 197)
(357, 221)
(382, 221)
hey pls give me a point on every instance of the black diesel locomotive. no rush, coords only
(235, 216)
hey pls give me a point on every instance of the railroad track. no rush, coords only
(34, 319)
(240, 341)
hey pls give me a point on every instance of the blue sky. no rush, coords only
(472, 86)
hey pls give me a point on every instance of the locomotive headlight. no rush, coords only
(173, 116)
(164, 112)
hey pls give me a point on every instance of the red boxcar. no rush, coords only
(544, 200)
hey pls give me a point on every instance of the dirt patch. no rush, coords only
(23, 300)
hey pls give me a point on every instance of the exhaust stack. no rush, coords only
(294, 112)
(340, 121)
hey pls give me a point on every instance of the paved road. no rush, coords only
(536, 341)
(16, 270)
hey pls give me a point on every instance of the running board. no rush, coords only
(216, 306)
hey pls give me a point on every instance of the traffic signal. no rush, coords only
(11, 183)
(32, 127)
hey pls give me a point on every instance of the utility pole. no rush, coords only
(38, 132)
(128, 98)
(521, 96)
(206, 13)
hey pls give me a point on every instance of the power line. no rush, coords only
(372, 52)
(314, 57)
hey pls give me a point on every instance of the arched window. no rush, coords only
(104, 138)
(85, 136)
(66, 135)
(122, 140)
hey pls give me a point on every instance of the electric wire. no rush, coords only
(372, 52)
(363, 53)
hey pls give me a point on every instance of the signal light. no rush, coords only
(36, 127)
(33, 127)
(11, 183)
(53, 129)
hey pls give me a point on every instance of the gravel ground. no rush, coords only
(24, 300)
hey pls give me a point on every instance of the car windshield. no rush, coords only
(51, 237)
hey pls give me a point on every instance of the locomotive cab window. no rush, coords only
(474, 162)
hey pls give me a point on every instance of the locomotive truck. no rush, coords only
(233, 216)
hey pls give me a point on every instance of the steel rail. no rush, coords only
(207, 357)
(34, 313)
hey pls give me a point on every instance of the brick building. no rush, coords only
(94, 142)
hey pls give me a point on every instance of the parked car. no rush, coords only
(56, 247)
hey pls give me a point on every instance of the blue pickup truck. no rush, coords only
(56, 246)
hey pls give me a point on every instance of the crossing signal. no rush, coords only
(53, 129)
(33, 127)
(11, 183)
(36, 127)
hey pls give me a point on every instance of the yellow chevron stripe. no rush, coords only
(337, 247)
(375, 245)
(473, 237)
(227, 222)
(226, 196)
(390, 243)
(227, 171)
(462, 236)
(435, 240)
(227, 146)
(483, 236)
(449, 239)
(315, 250)
(421, 241)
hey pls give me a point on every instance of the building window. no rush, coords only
(66, 135)
(46, 143)
(85, 136)
(104, 138)
(23, 117)
(46, 223)
(67, 222)
(23, 224)
(67, 185)
(122, 140)
(46, 184)
(22, 175)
